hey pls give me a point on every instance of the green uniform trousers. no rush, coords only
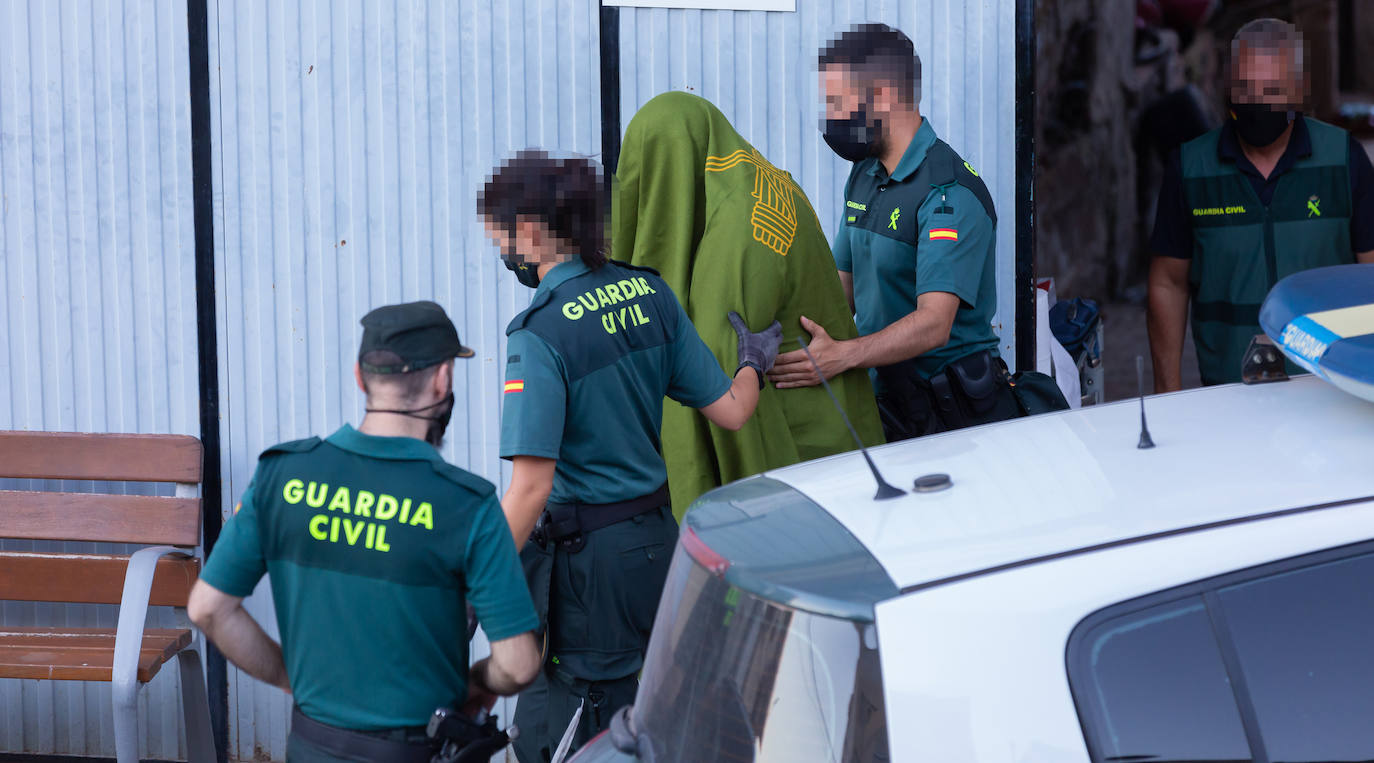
(600, 604)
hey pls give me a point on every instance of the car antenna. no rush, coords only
(1146, 442)
(885, 490)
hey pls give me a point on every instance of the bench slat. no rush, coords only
(79, 456)
(90, 578)
(81, 654)
(96, 517)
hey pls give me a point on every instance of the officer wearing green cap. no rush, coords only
(589, 365)
(375, 548)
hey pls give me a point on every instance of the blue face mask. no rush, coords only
(852, 137)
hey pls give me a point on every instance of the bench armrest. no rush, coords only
(133, 614)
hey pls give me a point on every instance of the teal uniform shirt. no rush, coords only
(901, 238)
(373, 544)
(589, 364)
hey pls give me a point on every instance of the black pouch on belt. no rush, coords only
(907, 402)
(979, 379)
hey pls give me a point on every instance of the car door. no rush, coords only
(1271, 663)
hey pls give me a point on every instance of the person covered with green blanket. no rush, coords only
(729, 231)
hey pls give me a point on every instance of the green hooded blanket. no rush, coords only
(729, 231)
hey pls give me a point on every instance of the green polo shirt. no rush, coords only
(901, 238)
(373, 546)
(589, 364)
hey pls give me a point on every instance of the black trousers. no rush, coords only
(600, 604)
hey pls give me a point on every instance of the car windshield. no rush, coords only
(731, 676)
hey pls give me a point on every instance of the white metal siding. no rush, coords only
(350, 141)
(759, 68)
(97, 301)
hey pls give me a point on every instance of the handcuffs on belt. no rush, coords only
(467, 740)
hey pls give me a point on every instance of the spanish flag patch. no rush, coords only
(515, 385)
(944, 234)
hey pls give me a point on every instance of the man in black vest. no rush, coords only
(1268, 194)
(925, 320)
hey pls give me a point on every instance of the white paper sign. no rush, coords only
(710, 5)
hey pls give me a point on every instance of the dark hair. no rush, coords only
(877, 52)
(567, 195)
(409, 386)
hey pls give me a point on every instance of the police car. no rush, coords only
(1063, 596)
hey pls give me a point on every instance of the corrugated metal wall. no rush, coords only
(97, 300)
(350, 141)
(760, 70)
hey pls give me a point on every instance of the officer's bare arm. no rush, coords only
(513, 665)
(735, 407)
(1365, 258)
(1167, 319)
(920, 331)
(224, 621)
(531, 481)
(847, 281)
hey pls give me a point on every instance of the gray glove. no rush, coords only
(758, 351)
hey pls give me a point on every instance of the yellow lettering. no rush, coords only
(628, 288)
(315, 501)
(644, 284)
(608, 322)
(386, 506)
(293, 491)
(602, 298)
(371, 534)
(423, 516)
(405, 510)
(613, 292)
(381, 539)
(334, 530)
(572, 311)
(353, 531)
(365, 503)
(639, 311)
(588, 301)
(317, 524)
(340, 500)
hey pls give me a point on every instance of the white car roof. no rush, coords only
(1062, 482)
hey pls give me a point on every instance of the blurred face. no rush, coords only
(1269, 79)
(842, 95)
(500, 236)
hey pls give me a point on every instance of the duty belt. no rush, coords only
(407, 745)
(567, 524)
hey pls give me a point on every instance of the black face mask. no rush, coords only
(1260, 125)
(853, 138)
(527, 275)
(438, 421)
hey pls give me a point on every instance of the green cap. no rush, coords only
(419, 333)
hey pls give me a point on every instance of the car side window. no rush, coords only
(1273, 663)
(1304, 641)
(1153, 687)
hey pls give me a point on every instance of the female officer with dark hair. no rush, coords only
(589, 364)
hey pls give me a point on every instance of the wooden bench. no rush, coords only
(161, 574)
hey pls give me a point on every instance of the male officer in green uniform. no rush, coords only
(589, 364)
(1268, 194)
(374, 545)
(915, 250)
